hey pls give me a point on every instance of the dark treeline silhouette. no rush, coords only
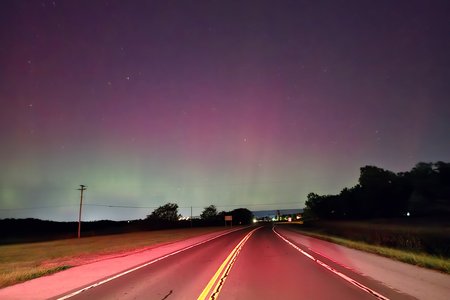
(423, 191)
(35, 230)
(241, 216)
(164, 217)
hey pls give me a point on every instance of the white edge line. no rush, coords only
(343, 276)
(144, 265)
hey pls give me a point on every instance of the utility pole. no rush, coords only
(191, 216)
(81, 189)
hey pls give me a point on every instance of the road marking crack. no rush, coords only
(170, 293)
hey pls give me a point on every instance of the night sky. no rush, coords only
(233, 103)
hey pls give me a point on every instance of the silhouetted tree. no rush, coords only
(167, 212)
(431, 189)
(384, 193)
(221, 215)
(313, 202)
(209, 213)
(443, 171)
(425, 190)
(242, 216)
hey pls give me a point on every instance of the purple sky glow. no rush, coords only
(233, 103)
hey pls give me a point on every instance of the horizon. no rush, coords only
(184, 211)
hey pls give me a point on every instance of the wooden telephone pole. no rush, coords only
(81, 189)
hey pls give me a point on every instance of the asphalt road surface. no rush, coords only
(253, 263)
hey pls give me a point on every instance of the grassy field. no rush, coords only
(423, 244)
(21, 262)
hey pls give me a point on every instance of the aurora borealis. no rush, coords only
(232, 103)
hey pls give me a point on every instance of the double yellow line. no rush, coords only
(219, 277)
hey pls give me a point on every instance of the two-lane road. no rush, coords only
(180, 276)
(253, 263)
(270, 268)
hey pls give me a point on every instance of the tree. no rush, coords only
(379, 194)
(431, 189)
(209, 213)
(443, 174)
(372, 177)
(423, 191)
(242, 216)
(167, 212)
(312, 202)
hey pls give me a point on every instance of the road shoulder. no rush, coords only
(412, 280)
(62, 282)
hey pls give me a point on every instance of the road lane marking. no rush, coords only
(144, 265)
(224, 276)
(212, 293)
(331, 269)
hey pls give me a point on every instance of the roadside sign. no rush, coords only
(229, 219)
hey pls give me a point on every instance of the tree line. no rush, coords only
(164, 217)
(167, 214)
(422, 191)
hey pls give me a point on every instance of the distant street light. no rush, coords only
(81, 189)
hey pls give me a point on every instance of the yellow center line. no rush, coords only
(207, 290)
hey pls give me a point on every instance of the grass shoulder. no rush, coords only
(422, 246)
(22, 262)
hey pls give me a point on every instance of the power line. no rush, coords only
(258, 204)
(118, 206)
(34, 207)
(216, 205)
(132, 206)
